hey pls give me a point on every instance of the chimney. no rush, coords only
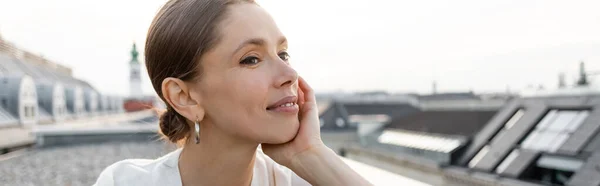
(583, 82)
(561, 81)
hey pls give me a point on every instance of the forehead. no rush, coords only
(248, 21)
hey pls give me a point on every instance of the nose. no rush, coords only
(285, 75)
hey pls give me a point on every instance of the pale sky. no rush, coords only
(347, 45)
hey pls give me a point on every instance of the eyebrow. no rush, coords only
(257, 41)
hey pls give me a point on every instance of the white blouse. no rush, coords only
(164, 171)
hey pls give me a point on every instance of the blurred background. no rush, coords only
(431, 92)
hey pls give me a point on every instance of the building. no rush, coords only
(344, 120)
(448, 96)
(404, 135)
(137, 101)
(18, 96)
(92, 101)
(434, 136)
(335, 114)
(59, 96)
(75, 102)
(103, 104)
(550, 140)
(116, 104)
(135, 81)
(52, 102)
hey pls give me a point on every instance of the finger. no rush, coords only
(300, 97)
(309, 95)
(310, 103)
(300, 101)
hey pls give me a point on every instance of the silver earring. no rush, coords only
(197, 127)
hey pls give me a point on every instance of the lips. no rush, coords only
(285, 102)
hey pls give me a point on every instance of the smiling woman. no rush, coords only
(223, 69)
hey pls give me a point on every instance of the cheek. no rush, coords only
(241, 90)
(251, 93)
(255, 122)
(237, 103)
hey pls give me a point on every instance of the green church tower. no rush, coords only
(135, 81)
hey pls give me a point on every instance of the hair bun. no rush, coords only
(173, 126)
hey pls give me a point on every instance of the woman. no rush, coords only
(222, 68)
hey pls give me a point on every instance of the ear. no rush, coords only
(179, 96)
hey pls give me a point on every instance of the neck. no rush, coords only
(218, 159)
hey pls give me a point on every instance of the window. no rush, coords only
(479, 156)
(509, 124)
(516, 117)
(509, 159)
(553, 170)
(134, 74)
(560, 163)
(554, 129)
(340, 122)
(26, 111)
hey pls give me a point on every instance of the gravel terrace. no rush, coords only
(74, 165)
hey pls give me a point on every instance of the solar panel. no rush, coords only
(419, 141)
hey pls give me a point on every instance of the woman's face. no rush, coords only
(247, 87)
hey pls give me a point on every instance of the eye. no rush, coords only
(250, 60)
(284, 56)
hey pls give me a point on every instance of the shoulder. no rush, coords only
(123, 171)
(136, 171)
(269, 172)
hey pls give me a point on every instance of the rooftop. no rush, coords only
(73, 165)
(449, 122)
(9, 49)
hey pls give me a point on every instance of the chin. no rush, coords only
(284, 134)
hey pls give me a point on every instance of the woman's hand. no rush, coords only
(309, 134)
(306, 154)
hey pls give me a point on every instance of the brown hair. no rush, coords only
(181, 32)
